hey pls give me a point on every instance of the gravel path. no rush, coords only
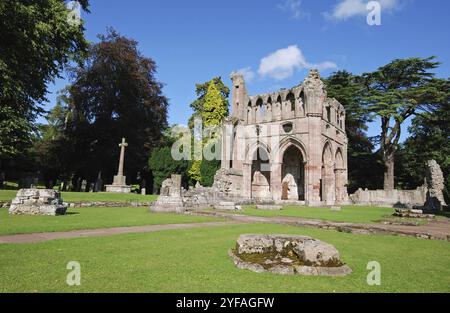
(40, 237)
(437, 230)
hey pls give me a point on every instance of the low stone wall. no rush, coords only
(109, 204)
(390, 198)
(6, 204)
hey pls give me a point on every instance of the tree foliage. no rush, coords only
(201, 90)
(363, 166)
(114, 94)
(430, 139)
(163, 165)
(37, 43)
(212, 107)
(396, 92)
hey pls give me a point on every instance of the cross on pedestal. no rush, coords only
(119, 182)
(122, 146)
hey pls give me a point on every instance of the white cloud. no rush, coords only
(294, 7)
(284, 62)
(247, 72)
(345, 9)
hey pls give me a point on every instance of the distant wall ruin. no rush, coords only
(390, 198)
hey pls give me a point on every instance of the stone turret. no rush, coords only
(239, 95)
(315, 93)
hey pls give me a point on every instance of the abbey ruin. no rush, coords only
(288, 145)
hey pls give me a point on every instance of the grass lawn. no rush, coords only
(89, 218)
(196, 260)
(353, 214)
(6, 195)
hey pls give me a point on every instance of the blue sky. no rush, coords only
(273, 41)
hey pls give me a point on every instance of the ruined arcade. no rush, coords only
(288, 145)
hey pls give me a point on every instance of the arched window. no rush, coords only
(302, 97)
(261, 108)
(291, 98)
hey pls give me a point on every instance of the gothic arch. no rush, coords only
(260, 172)
(340, 177)
(327, 183)
(293, 180)
(285, 143)
(339, 159)
(253, 148)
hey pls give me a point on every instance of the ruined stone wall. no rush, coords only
(390, 198)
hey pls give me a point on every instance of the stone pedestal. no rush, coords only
(119, 185)
(38, 202)
(118, 189)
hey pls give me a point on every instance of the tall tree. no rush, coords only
(430, 139)
(201, 91)
(37, 42)
(114, 94)
(396, 92)
(212, 107)
(362, 162)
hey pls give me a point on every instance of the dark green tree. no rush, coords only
(430, 139)
(37, 42)
(397, 91)
(51, 146)
(201, 90)
(211, 106)
(162, 164)
(363, 164)
(114, 94)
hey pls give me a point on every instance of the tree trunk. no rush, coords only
(388, 159)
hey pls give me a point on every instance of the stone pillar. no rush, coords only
(175, 190)
(313, 168)
(328, 185)
(275, 180)
(341, 189)
(227, 145)
(247, 180)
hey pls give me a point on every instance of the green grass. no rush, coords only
(6, 195)
(353, 214)
(196, 260)
(90, 218)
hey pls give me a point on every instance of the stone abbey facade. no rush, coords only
(288, 145)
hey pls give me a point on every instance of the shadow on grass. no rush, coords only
(443, 213)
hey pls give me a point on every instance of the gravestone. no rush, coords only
(38, 202)
(98, 183)
(119, 183)
(2, 179)
(79, 182)
(83, 185)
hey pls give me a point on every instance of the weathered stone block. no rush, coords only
(38, 202)
(269, 207)
(287, 254)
